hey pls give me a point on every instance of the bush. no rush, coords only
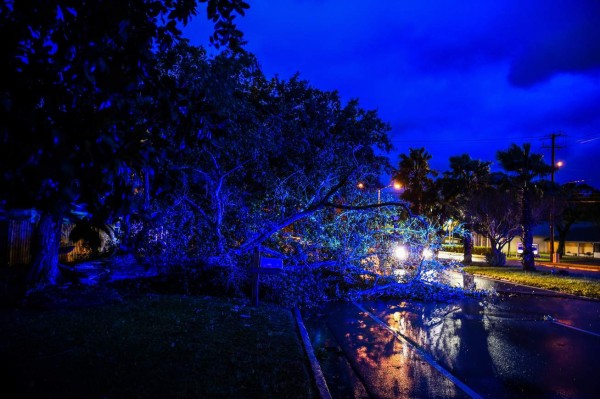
(459, 249)
(452, 248)
(494, 258)
(482, 251)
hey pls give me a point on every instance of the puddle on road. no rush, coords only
(502, 347)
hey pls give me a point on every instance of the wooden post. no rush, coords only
(260, 266)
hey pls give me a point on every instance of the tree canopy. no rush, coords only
(77, 100)
(253, 155)
(525, 168)
(78, 92)
(464, 181)
(416, 177)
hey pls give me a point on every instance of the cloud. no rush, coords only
(453, 77)
(563, 38)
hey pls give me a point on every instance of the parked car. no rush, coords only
(536, 253)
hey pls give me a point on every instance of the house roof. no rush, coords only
(579, 232)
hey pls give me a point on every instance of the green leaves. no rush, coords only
(221, 12)
(524, 165)
(84, 74)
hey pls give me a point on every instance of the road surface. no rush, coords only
(522, 344)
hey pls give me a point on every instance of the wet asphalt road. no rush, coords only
(525, 343)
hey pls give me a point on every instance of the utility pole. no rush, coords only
(553, 256)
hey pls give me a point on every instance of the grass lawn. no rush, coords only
(156, 346)
(582, 286)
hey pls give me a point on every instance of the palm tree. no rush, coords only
(415, 176)
(524, 169)
(465, 178)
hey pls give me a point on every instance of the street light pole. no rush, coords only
(396, 185)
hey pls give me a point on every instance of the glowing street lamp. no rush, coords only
(395, 185)
(427, 253)
(400, 252)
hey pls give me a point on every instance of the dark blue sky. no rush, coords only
(468, 77)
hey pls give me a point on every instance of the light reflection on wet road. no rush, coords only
(503, 347)
(379, 365)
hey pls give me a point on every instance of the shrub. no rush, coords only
(452, 248)
(494, 258)
(482, 251)
(459, 249)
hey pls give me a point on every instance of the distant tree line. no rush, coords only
(499, 205)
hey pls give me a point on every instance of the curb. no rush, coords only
(423, 354)
(314, 364)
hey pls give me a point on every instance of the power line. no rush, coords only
(587, 140)
(454, 140)
(580, 140)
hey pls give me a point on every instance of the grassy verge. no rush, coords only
(582, 286)
(154, 347)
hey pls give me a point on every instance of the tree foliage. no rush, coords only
(496, 215)
(573, 203)
(525, 169)
(459, 186)
(106, 108)
(253, 156)
(77, 100)
(416, 177)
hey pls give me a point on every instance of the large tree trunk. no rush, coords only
(562, 237)
(46, 241)
(561, 245)
(497, 258)
(467, 246)
(527, 235)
